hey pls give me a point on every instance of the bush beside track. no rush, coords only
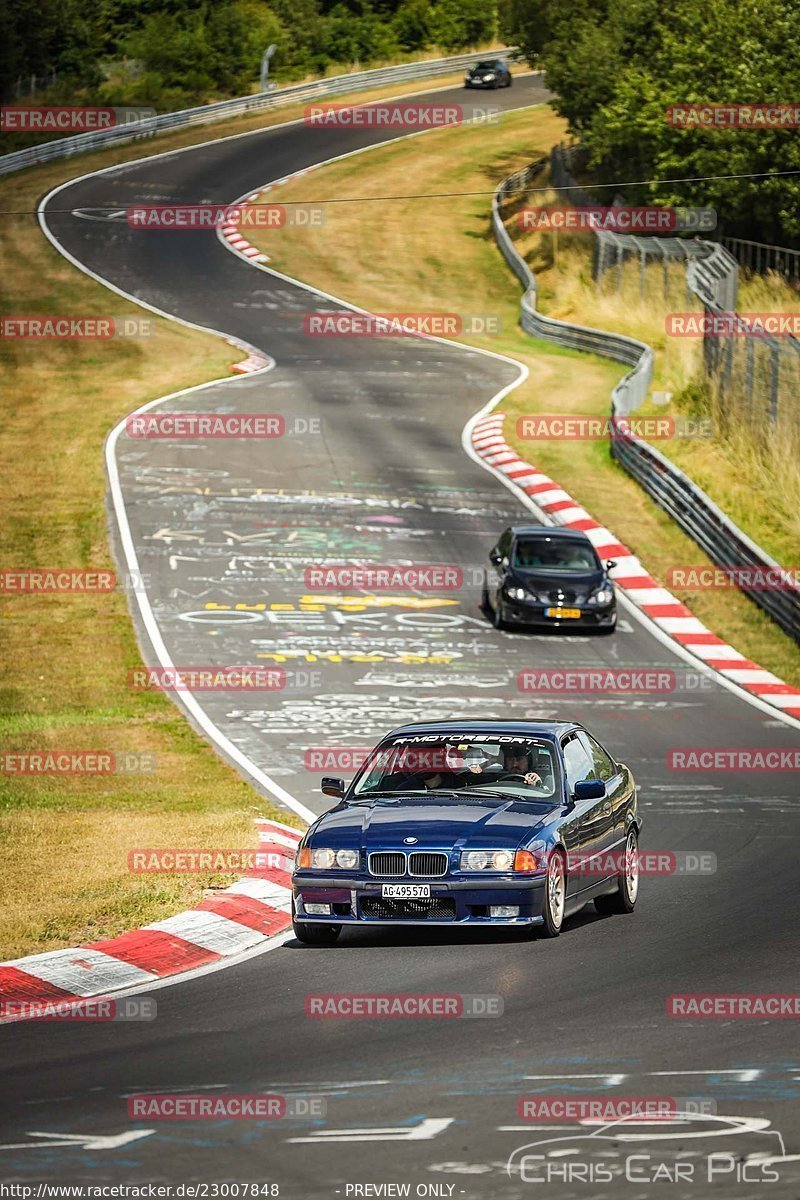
(439, 256)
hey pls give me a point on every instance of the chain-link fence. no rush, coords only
(760, 259)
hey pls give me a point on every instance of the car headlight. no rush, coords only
(519, 593)
(489, 76)
(323, 858)
(603, 595)
(486, 860)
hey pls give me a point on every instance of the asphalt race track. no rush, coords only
(223, 532)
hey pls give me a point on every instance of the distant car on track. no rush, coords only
(544, 576)
(493, 73)
(471, 823)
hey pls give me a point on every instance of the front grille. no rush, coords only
(559, 596)
(393, 863)
(437, 908)
(422, 862)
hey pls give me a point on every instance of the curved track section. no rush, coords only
(225, 531)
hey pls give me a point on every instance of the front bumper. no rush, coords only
(523, 612)
(357, 901)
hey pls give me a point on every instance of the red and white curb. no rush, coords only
(231, 232)
(252, 910)
(254, 362)
(668, 613)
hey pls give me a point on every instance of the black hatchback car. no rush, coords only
(548, 577)
(493, 73)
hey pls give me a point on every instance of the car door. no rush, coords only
(573, 828)
(593, 833)
(618, 790)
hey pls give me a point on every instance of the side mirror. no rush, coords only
(331, 786)
(495, 556)
(612, 562)
(590, 789)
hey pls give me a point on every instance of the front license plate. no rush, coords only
(558, 613)
(405, 891)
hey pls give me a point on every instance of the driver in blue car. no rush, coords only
(520, 762)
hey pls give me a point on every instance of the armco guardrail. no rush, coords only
(631, 391)
(695, 512)
(318, 89)
(724, 543)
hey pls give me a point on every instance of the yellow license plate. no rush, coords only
(566, 613)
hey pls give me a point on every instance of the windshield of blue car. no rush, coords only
(554, 554)
(517, 767)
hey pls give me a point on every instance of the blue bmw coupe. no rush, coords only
(471, 823)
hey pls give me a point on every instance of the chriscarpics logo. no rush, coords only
(727, 1151)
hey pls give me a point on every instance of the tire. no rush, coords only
(497, 616)
(607, 630)
(510, 81)
(553, 910)
(623, 899)
(315, 935)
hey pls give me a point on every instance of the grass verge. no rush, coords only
(438, 254)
